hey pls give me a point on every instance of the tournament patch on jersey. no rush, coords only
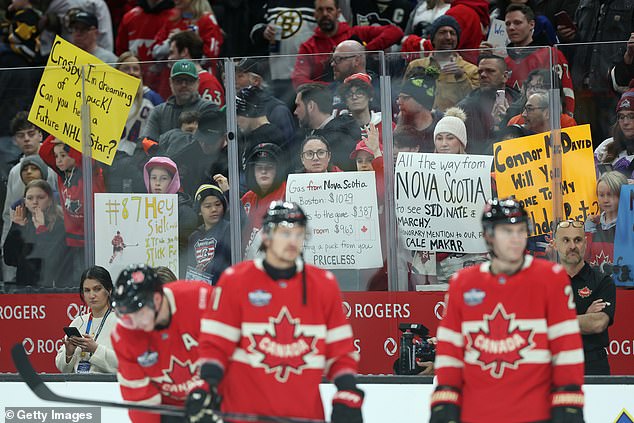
(260, 297)
(147, 359)
(473, 297)
(204, 250)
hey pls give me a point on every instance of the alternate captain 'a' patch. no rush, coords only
(498, 342)
(283, 348)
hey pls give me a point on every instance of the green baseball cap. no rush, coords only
(184, 67)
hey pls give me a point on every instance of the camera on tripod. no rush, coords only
(415, 346)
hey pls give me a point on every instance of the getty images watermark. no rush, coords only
(52, 414)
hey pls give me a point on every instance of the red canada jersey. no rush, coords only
(210, 88)
(159, 367)
(274, 350)
(512, 338)
(137, 31)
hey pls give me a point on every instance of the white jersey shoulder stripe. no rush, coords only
(568, 357)
(447, 335)
(567, 327)
(214, 327)
(338, 334)
(536, 325)
(135, 383)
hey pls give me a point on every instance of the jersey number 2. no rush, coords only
(571, 299)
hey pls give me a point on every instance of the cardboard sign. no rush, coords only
(136, 228)
(57, 104)
(623, 266)
(343, 218)
(439, 201)
(523, 167)
(498, 37)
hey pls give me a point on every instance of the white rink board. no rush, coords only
(383, 402)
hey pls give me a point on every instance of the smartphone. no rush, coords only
(72, 331)
(500, 96)
(563, 18)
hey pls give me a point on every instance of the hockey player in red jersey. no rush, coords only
(274, 328)
(156, 339)
(510, 334)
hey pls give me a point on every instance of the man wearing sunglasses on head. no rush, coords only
(509, 332)
(594, 294)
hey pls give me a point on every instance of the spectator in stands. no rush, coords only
(316, 154)
(623, 71)
(405, 140)
(67, 163)
(331, 32)
(137, 30)
(296, 19)
(425, 12)
(84, 34)
(22, 42)
(486, 116)
(35, 242)
(100, 9)
(267, 182)
(349, 58)
(210, 244)
(129, 63)
(190, 15)
(189, 45)
(313, 108)
(189, 122)
(185, 97)
(161, 177)
(596, 22)
(544, 33)
(536, 114)
(520, 24)
(254, 126)
(457, 77)
(28, 138)
(358, 93)
(92, 353)
(600, 229)
(538, 80)
(473, 19)
(618, 150)
(249, 72)
(415, 100)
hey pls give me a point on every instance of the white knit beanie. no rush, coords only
(453, 123)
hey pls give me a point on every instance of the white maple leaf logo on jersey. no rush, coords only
(180, 378)
(499, 343)
(283, 347)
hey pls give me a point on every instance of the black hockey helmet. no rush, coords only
(503, 210)
(135, 288)
(284, 212)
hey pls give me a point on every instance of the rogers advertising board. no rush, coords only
(36, 320)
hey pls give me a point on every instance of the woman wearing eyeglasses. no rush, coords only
(618, 150)
(316, 155)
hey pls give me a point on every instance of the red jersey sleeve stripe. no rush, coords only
(214, 327)
(567, 327)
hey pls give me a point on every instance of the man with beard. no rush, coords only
(331, 32)
(313, 108)
(415, 100)
(594, 295)
(184, 85)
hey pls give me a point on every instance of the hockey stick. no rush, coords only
(39, 388)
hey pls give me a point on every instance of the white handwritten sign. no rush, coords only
(498, 37)
(439, 201)
(136, 228)
(343, 218)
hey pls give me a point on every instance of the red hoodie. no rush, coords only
(315, 68)
(71, 190)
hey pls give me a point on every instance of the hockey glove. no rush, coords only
(201, 406)
(567, 405)
(445, 405)
(346, 406)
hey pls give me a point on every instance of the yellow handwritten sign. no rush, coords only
(57, 104)
(523, 167)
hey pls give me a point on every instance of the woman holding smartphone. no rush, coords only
(92, 352)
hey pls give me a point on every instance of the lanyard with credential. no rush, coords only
(105, 316)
